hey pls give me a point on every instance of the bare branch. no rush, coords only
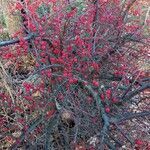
(137, 91)
(14, 41)
(102, 109)
(129, 116)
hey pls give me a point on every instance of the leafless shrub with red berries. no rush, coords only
(70, 76)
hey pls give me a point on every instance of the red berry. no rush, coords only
(43, 47)
(108, 93)
(107, 109)
(49, 74)
(50, 113)
(19, 6)
(96, 83)
(114, 100)
(139, 142)
(102, 97)
(95, 66)
(73, 80)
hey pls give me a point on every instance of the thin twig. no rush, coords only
(129, 116)
(125, 135)
(5, 82)
(137, 91)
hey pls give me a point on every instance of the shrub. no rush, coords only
(72, 75)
